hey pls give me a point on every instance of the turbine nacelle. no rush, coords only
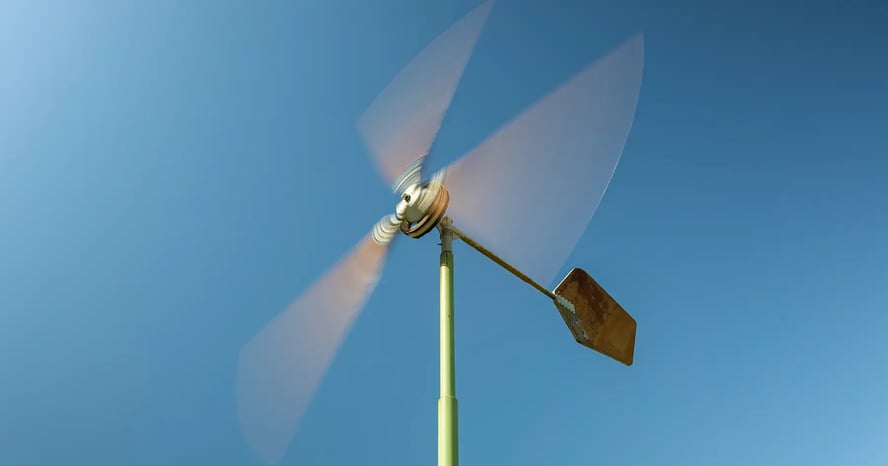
(421, 207)
(425, 207)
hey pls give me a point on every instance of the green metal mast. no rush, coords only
(448, 438)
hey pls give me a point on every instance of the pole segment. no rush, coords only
(448, 440)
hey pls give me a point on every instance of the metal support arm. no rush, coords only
(490, 255)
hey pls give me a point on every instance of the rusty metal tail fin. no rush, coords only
(594, 318)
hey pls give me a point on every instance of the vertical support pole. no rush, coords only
(448, 440)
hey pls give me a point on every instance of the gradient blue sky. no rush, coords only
(172, 174)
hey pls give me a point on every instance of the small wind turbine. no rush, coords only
(528, 192)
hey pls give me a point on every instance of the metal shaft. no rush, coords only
(490, 255)
(448, 439)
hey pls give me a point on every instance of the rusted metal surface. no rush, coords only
(597, 320)
(435, 214)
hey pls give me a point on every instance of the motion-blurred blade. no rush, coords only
(529, 190)
(401, 124)
(281, 367)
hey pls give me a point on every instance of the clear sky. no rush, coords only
(172, 174)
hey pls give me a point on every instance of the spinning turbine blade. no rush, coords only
(281, 367)
(529, 190)
(401, 124)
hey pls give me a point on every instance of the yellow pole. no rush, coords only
(448, 439)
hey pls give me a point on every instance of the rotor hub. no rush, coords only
(425, 207)
(420, 210)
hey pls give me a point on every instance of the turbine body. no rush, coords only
(425, 208)
(421, 208)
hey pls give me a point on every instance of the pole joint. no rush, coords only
(445, 226)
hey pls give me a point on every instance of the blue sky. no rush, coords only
(172, 175)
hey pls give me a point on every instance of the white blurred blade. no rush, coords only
(529, 190)
(401, 124)
(281, 367)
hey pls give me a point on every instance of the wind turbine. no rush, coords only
(527, 192)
